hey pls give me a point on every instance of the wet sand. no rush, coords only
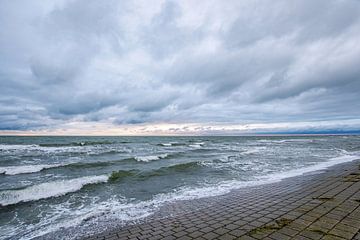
(320, 205)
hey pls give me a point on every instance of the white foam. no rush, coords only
(286, 140)
(197, 144)
(254, 150)
(227, 186)
(169, 144)
(47, 190)
(150, 158)
(317, 167)
(99, 214)
(166, 144)
(14, 170)
(7, 147)
(23, 149)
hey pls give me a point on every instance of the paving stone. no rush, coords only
(184, 238)
(246, 238)
(312, 234)
(169, 238)
(299, 237)
(210, 236)
(196, 234)
(238, 232)
(226, 237)
(279, 236)
(342, 233)
(347, 228)
(221, 231)
(180, 234)
(288, 231)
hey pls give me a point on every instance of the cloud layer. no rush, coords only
(178, 62)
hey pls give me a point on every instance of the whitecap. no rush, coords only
(150, 158)
(166, 144)
(254, 150)
(47, 190)
(290, 140)
(14, 170)
(313, 168)
(197, 144)
(11, 147)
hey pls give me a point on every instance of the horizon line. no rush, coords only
(189, 135)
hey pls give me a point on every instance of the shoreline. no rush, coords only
(245, 213)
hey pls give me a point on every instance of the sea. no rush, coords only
(68, 187)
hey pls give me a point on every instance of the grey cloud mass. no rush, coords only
(159, 61)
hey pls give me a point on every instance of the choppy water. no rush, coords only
(51, 184)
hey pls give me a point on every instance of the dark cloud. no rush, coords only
(138, 62)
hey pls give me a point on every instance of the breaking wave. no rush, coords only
(62, 187)
(163, 171)
(171, 144)
(85, 143)
(150, 158)
(197, 144)
(253, 150)
(14, 170)
(25, 169)
(9, 147)
(48, 190)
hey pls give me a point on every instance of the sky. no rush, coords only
(159, 67)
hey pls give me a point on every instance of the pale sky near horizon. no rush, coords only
(147, 67)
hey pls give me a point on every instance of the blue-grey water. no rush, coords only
(76, 185)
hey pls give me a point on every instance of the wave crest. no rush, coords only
(117, 175)
(14, 170)
(48, 190)
(163, 171)
(85, 143)
(150, 158)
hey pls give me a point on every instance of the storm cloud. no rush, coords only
(179, 62)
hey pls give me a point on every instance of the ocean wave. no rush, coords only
(166, 144)
(313, 168)
(253, 150)
(117, 175)
(304, 140)
(91, 148)
(163, 171)
(197, 144)
(150, 158)
(26, 169)
(10, 147)
(37, 149)
(169, 144)
(85, 143)
(171, 170)
(14, 170)
(48, 190)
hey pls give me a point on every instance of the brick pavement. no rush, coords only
(321, 206)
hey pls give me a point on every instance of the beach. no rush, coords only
(318, 205)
